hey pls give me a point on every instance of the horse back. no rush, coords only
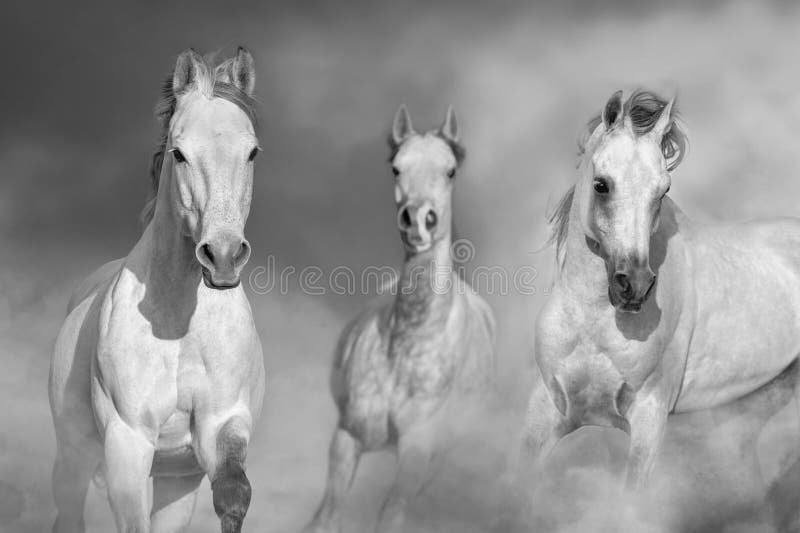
(746, 279)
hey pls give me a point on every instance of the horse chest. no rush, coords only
(155, 380)
(633, 360)
(591, 365)
(421, 366)
(393, 388)
(423, 370)
(600, 341)
(174, 454)
(593, 380)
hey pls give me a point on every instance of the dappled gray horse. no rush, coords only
(651, 313)
(406, 368)
(158, 370)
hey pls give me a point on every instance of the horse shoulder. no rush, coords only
(476, 340)
(77, 338)
(69, 382)
(70, 367)
(479, 308)
(222, 348)
(361, 340)
(555, 331)
(131, 366)
(476, 331)
(223, 323)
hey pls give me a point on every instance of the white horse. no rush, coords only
(158, 369)
(406, 368)
(651, 313)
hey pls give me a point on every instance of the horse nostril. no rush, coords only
(430, 220)
(623, 283)
(242, 254)
(405, 218)
(206, 250)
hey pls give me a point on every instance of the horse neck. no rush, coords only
(172, 271)
(425, 288)
(583, 272)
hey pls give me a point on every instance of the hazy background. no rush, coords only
(76, 133)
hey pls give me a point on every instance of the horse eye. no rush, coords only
(451, 172)
(178, 155)
(253, 154)
(601, 186)
(395, 170)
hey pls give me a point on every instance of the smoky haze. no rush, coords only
(76, 135)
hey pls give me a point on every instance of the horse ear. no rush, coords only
(401, 127)
(187, 68)
(664, 122)
(612, 112)
(243, 71)
(449, 128)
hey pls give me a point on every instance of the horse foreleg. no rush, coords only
(72, 474)
(343, 456)
(545, 425)
(782, 495)
(129, 457)
(174, 499)
(647, 419)
(414, 451)
(222, 453)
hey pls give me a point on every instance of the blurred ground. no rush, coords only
(76, 134)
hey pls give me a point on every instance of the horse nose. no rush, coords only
(222, 259)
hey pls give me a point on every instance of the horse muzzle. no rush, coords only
(219, 284)
(628, 289)
(414, 242)
(222, 259)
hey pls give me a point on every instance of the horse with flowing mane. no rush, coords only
(409, 368)
(651, 313)
(158, 369)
